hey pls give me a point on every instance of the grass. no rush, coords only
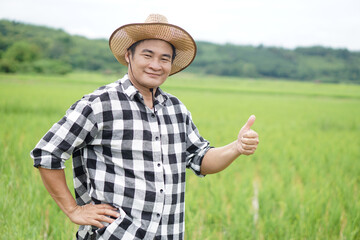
(305, 175)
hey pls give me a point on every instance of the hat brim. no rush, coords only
(123, 37)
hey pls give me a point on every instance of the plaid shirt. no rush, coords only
(128, 156)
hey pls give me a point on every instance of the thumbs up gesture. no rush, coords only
(248, 139)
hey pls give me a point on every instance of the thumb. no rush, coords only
(249, 123)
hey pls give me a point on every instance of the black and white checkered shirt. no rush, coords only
(128, 156)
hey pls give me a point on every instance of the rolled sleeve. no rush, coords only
(77, 128)
(196, 148)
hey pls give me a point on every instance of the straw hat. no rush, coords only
(156, 26)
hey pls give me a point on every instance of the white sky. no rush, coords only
(280, 23)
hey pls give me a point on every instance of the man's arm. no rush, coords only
(217, 159)
(89, 214)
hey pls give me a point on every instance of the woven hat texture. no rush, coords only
(155, 26)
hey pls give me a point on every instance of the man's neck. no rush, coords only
(149, 98)
(147, 94)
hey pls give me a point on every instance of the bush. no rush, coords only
(22, 52)
(51, 66)
(8, 66)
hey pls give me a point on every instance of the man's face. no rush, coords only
(150, 65)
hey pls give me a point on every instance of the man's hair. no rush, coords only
(134, 45)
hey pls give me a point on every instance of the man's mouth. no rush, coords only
(153, 74)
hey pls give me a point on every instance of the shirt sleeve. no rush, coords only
(76, 129)
(196, 147)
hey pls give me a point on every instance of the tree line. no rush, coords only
(30, 48)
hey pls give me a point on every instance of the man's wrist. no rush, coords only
(236, 149)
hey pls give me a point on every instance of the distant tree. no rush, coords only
(60, 46)
(22, 51)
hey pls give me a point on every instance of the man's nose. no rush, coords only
(155, 65)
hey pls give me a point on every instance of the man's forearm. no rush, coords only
(217, 159)
(55, 183)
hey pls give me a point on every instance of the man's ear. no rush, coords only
(127, 55)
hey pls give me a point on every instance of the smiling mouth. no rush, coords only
(153, 74)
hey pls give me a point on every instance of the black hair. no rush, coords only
(134, 45)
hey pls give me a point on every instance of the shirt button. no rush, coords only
(161, 191)
(158, 214)
(153, 115)
(156, 138)
(159, 165)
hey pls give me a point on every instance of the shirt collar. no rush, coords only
(160, 96)
(128, 87)
(131, 91)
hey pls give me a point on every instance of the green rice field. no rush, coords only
(303, 182)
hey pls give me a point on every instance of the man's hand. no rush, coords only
(91, 214)
(217, 159)
(248, 139)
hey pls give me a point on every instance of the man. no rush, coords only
(131, 143)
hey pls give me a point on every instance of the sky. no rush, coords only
(277, 23)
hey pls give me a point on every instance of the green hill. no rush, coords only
(29, 48)
(315, 63)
